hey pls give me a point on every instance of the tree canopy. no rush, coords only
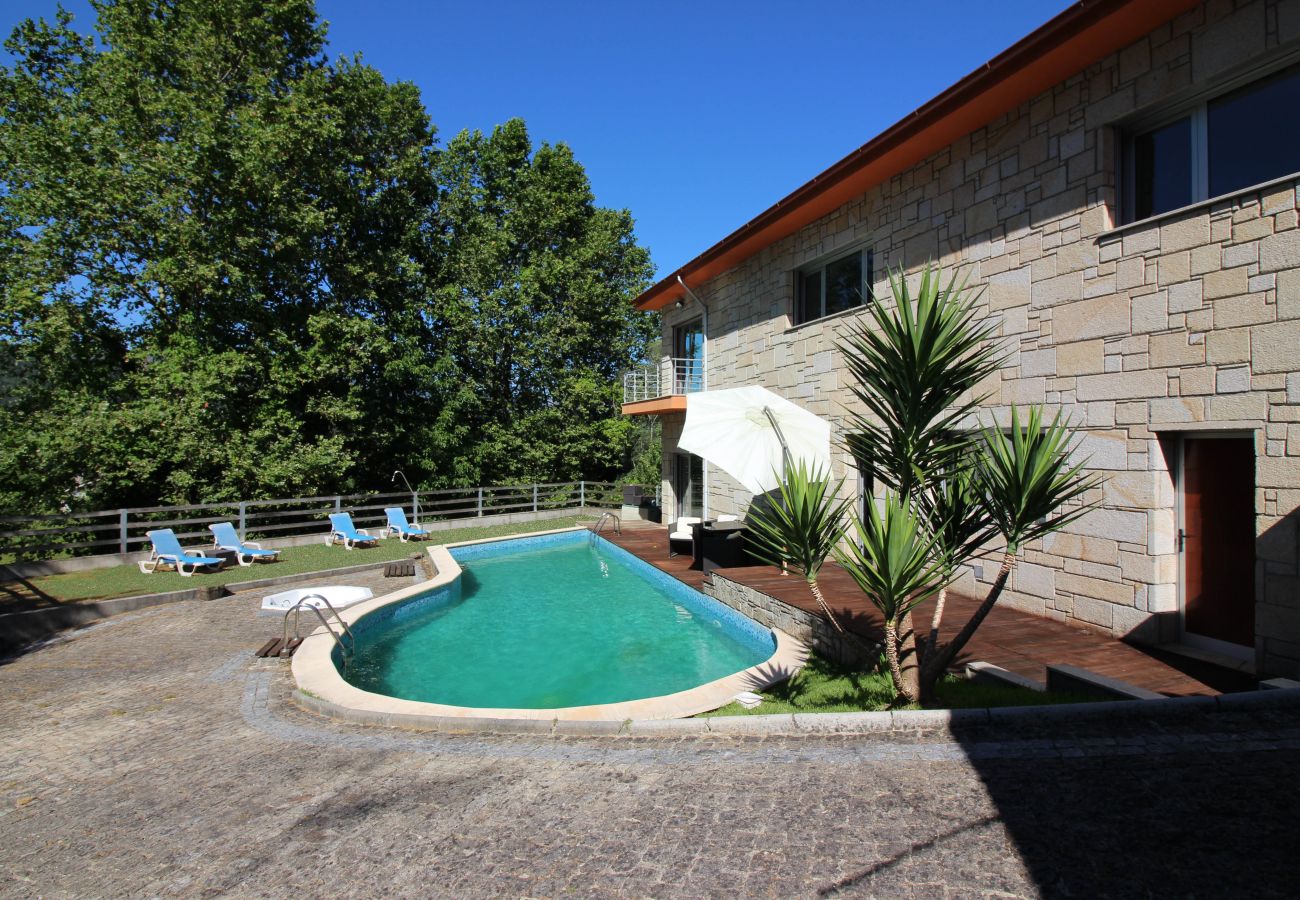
(233, 267)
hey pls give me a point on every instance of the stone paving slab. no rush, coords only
(152, 755)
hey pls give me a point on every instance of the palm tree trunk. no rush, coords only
(937, 663)
(895, 667)
(933, 643)
(891, 656)
(821, 601)
(909, 662)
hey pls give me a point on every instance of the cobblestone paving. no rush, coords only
(152, 755)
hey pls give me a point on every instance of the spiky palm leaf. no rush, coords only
(897, 563)
(915, 372)
(801, 528)
(1028, 478)
(895, 559)
(956, 507)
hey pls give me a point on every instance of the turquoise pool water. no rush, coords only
(548, 622)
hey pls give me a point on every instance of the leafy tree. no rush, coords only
(211, 253)
(534, 300)
(647, 452)
(231, 266)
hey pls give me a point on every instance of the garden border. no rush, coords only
(809, 724)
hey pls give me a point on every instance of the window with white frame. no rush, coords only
(1219, 145)
(833, 285)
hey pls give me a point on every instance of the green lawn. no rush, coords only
(126, 581)
(825, 686)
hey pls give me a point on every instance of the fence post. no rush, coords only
(480, 503)
(243, 519)
(121, 531)
(582, 495)
(338, 504)
(415, 507)
(534, 498)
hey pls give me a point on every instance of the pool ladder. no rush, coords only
(296, 612)
(607, 517)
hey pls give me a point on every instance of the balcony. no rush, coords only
(654, 390)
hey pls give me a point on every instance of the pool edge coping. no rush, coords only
(758, 725)
(317, 678)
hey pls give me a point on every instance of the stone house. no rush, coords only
(1122, 183)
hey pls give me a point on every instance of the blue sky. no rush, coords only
(695, 116)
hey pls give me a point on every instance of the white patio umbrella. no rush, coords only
(744, 431)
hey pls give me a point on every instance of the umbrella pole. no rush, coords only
(785, 448)
(785, 456)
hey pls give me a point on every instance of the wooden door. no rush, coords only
(1218, 539)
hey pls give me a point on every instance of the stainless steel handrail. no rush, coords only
(297, 612)
(672, 376)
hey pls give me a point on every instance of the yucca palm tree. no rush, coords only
(917, 369)
(898, 563)
(1028, 479)
(955, 509)
(800, 528)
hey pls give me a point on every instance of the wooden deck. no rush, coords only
(1017, 641)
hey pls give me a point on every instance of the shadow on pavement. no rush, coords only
(1144, 809)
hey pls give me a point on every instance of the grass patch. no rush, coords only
(127, 581)
(823, 686)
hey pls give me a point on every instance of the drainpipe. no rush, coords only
(704, 380)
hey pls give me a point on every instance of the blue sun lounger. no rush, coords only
(342, 529)
(397, 524)
(224, 537)
(167, 550)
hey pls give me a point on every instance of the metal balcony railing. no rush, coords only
(673, 376)
(122, 531)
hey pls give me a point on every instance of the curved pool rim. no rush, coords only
(317, 677)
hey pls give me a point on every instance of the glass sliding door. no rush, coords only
(688, 357)
(688, 485)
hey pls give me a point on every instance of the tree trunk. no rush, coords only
(937, 662)
(924, 688)
(909, 662)
(821, 601)
(938, 618)
(891, 656)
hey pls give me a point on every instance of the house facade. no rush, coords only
(1122, 184)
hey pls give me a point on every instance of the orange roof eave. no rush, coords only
(1082, 34)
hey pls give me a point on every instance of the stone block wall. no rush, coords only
(1184, 322)
(813, 631)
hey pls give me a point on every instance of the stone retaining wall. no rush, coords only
(812, 630)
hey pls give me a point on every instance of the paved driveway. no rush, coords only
(151, 755)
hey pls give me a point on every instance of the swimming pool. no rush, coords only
(556, 626)
(556, 621)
